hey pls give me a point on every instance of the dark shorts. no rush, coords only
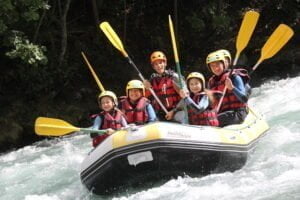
(229, 117)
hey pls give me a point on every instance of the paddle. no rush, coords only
(116, 42)
(276, 41)
(56, 127)
(177, 62)
(93, 73)
(246, 30)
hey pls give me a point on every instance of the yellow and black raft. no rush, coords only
(163, 150)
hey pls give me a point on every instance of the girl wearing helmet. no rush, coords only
(110, 118)
(135, 106)
(200, 108)
(233, 109)
(164, 83)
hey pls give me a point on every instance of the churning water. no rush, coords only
(49, 170)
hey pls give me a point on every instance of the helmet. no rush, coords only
(196, 75)
(157, 55)
(107, 93)
(226, 54)
(215, 56)
(135, 84)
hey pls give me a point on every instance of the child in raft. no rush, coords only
(198, 101)
(135, 106)
(110, 118)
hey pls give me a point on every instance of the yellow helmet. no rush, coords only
(226, 54)
(215, 56)
(196, 75)
(135, 84)
(157, 55)
(107, 93)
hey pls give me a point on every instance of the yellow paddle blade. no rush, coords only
(248, 25)
(93, 73)
(276, 41)
(173, 40)
(53, 127)
(113, 37)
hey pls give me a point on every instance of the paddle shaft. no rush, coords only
(143, 79)
(93, 73)
(89, 130)
(178, 69)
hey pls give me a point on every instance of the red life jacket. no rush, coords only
(208, 117)
(164, 89)
(135, 113)
(230, 101)
(108, 121)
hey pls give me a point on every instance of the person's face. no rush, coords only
(135, 94)
(195, 85)
(159, 66)
(217, 67)
(107, 103)
(227, 63)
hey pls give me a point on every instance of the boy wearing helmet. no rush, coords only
(110, 118)
(200, 108)
(135, 106)
(233, 109)
(227, 55)
(227, 64)
(164, 83)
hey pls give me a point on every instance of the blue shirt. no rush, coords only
(199, 107)
(239, 89)
(151, 113)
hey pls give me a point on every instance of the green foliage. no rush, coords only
(29, 53)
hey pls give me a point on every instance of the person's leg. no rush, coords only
(180, 117)
(232, 117)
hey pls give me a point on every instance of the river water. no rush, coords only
(49, 170)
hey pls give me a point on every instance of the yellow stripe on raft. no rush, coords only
(123, 138)
(240, 134)
(243, 134)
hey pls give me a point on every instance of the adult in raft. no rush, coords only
(233, 109)
(135, 106)
(165, 83)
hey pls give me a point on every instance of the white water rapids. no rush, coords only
(49, 170)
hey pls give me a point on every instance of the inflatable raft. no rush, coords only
(159, 151)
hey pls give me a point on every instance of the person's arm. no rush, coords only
(151, 113)
(172, 112)
(96, 126)
(176, 82)
(198, 107)
(123, 122)
(97, 123)
(239, 88)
